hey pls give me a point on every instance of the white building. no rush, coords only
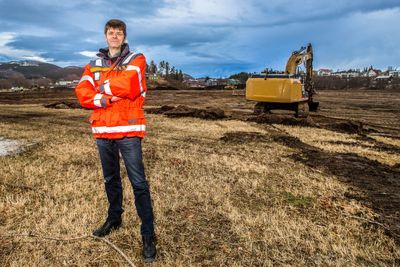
(347, 74)
(384, 78)
(63, 83)
(67, 83)
(394, 73)
(324, 72)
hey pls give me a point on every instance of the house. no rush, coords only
(227, 81)
(153, 77)
(195, 83)
(233, 82)
(17, 89)
(70, 84)
(347, 74)
(394, 73)
(63, 83)
(211, 82)
(386, 78)
(324, 72)
(373, 73)
(353, 74)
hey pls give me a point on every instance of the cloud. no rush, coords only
(253, 35)
(37, 58)
(253, 13)
(90, 54)
(12, 53)
(208, 36)
(362, 39)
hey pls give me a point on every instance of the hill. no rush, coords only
(34, 69)
(29, 69)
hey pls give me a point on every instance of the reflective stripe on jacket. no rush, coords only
(125, 78)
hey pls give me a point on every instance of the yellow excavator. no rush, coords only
(291, 90)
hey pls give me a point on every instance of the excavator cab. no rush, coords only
(291, 90)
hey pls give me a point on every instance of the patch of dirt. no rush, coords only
(350, 127)
(282, 119)
(208, 113)
(337, 125)
(379, 183)
(63, 105)
(23, 117)
(355, 126)
(244, 137)
(37, 97)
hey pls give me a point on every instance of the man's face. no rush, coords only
(115, 38)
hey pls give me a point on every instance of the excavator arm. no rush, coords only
(304, 56)
(301, 56)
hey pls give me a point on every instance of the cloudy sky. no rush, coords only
(207, 37)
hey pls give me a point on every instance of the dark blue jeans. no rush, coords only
(131, 151)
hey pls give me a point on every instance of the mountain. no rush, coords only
(35, 69)
(187, 77)
(29, 69)
(67, 73)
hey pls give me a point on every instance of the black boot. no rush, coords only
(107, 227)
(149, 248)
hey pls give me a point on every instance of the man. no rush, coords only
(114, 86)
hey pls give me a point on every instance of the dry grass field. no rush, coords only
(227, 192)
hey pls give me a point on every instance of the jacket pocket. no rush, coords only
(94, 117)
(135, 116)
(115, 118)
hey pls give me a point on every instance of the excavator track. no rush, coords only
(302, 110)
(259, 108)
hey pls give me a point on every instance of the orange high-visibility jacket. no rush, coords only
(124, 78)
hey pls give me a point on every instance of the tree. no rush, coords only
(152, 68)
(161, 67)
(242, 76)
(43, 82)
(180, 76)
(167, 69)
(20, 82)
(173, 73)
(5, 84)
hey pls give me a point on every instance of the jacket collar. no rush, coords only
(103, 52)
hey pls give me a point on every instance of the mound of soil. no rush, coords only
(347, 127)
(63, 105)
(160, 110)
(282, 119)
(185, 111)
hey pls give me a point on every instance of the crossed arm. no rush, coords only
(128, 84)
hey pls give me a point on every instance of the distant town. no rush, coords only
(31, 75)
(366, 72)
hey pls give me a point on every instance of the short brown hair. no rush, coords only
(117, 24)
